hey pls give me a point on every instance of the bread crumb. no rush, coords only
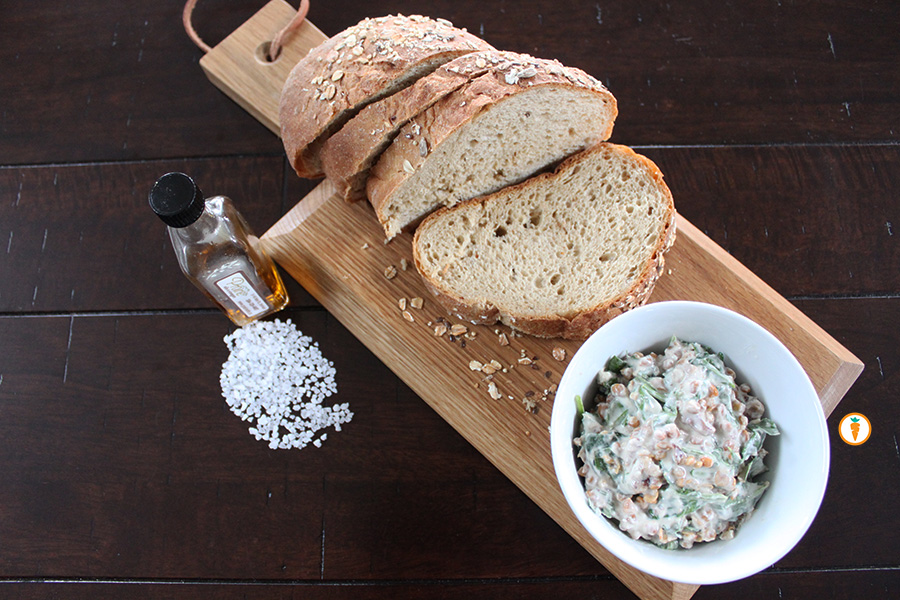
(390, 272)
(408, 316)
(403, 264)
(475, 365)
(529, 404)
(503, 339)
(402, 303)
(494, 392)
(417, 302)
(559, 353)
(440, 329)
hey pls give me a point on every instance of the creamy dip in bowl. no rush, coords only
(797, 459)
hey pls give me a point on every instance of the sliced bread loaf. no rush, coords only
(557, 255)
(366, 62)
(349, 154)
(522, 116)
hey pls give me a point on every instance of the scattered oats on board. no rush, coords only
(276, 379)
(458, 329)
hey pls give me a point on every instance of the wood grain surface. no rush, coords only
(348, 275)
(124, 474)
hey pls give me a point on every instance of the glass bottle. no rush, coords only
(217, 251)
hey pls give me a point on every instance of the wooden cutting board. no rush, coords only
(337, 252)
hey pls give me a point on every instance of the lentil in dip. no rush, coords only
(672, 446)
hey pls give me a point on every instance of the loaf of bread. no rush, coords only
(348, 155)
(557, 255)
(522, 116)
(373, 59)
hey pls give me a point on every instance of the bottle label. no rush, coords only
(242, 294)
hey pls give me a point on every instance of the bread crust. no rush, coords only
(514, 74)
(357, 66)
(348, 155)
(581, 325)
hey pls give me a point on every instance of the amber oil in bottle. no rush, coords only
(217, 251)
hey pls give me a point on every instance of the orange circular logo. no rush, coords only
(855, 429)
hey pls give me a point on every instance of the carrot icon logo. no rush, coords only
(855, 429)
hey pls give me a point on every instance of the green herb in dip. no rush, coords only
(673, 445)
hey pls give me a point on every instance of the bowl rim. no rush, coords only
(641, 554)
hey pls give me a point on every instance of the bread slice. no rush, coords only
(557, 255)
(524, 115)
(366, 62)
(349, 154)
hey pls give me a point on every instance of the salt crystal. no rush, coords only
(276, 378)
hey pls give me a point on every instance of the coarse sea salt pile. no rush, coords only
(276, 378)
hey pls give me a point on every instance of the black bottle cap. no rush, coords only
(176, 199)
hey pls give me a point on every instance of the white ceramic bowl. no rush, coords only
(798, 458)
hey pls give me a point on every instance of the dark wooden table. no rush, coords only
(125, 475)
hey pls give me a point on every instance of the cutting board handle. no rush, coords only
(239, 65)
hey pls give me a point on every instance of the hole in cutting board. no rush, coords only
(262, 54)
